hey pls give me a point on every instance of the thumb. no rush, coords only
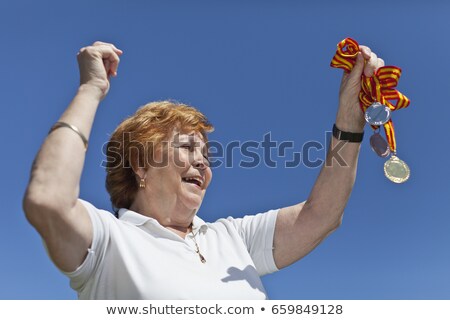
(358, 68)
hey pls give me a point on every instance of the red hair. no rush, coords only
(128, 147)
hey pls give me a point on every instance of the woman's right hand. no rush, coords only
(97, 64)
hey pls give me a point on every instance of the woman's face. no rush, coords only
(181, 174)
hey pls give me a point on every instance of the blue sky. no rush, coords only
(252, 67)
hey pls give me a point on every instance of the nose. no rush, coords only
(199, 165)
(199, 160)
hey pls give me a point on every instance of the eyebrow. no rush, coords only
(192, 141)
(186, 138)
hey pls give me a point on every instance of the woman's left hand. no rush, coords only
(349, 117)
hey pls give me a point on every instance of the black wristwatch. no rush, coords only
(347, 136)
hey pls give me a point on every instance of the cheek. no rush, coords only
(208, 176)
(180, 159)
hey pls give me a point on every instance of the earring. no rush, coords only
(142, 183)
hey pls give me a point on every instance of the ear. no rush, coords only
(138, 169)
(140, 173)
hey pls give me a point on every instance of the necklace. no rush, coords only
(202, 258)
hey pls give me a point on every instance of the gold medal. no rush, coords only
(396, 170)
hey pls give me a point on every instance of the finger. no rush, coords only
(371, 65)
(114, 60)
(107, 65)
(357, 68)
(366, 51)
(114, 65)
(105, 53)
(110, 56)
(100, 43)
(354, 76)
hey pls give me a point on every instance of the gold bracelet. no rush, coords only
(61, 124)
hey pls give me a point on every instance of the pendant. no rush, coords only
(379, 145)
(396, 170)
(202, 258)
(377, 114)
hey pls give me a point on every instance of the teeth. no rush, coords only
(199, 181)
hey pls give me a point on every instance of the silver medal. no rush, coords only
(377, 114)
(379, 145)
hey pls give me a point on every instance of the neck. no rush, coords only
(172, 219)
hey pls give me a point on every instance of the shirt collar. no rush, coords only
(133, 217)
(138, 220)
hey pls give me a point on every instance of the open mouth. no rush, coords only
(193, 180)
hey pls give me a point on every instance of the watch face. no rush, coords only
(379, 145)
(377, 114)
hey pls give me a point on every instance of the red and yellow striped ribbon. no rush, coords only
(378, 88)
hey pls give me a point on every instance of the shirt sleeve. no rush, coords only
(100, 225)
(257, 232)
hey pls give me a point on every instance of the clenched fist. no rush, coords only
(349, 117)
(97, 64)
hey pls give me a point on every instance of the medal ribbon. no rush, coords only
(378, 88)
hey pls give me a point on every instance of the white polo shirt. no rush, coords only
(134, 257)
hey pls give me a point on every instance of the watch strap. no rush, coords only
(347, 136)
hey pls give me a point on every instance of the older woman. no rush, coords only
(156, 247)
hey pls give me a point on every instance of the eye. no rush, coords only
(185, 146)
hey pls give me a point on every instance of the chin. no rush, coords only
(193, 204)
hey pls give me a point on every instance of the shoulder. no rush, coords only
(247, 223)
(96, 213)
(103, 221)
(249, 219)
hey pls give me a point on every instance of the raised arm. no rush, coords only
(50, 201)
(300, 228)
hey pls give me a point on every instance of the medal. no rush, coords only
(379, 145)
(396, 170)
(378, 98)
(377, 114)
